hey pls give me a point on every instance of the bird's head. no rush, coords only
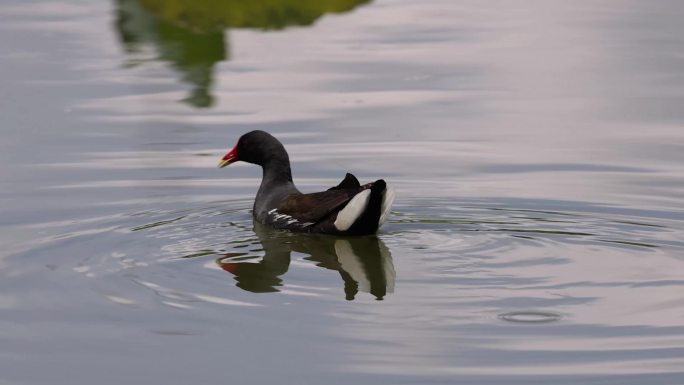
(257, 147)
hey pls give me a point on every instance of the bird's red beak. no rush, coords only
(230, 157)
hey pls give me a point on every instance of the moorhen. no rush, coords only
(346, 209)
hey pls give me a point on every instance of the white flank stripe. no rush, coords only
(352, 211)
(284, 217)
(387, 200)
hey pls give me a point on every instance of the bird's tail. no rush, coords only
(370, 216)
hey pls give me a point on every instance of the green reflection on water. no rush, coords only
(208, 15)
(188, 34)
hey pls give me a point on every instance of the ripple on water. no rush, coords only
(445, 269)
(486, 241)
(530, 317)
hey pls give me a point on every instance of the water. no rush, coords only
(536, 149)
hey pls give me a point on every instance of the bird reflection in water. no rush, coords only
(189, 34)
(364, 263)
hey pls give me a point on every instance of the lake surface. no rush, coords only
(537, 150)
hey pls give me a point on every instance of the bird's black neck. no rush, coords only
(277, 170)
(276, 184)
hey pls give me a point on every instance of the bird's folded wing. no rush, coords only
(317, 206)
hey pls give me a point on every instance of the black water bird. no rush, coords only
(346, 209)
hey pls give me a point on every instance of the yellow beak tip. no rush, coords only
(223, 163)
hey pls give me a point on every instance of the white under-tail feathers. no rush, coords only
(357, 205)
(352, 211)
(386, 208)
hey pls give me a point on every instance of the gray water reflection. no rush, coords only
(363, 263)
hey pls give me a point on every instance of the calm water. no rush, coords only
(537, 149)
